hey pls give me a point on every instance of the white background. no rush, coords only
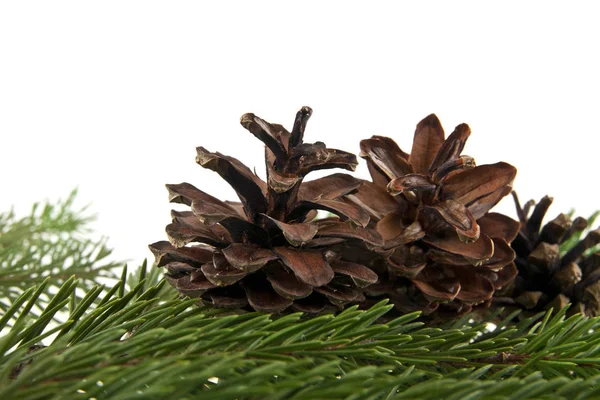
(114, 97)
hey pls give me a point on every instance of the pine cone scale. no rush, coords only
(250, 189)
(286, 283)
(480, 250)
(499, 226)
(329, 187)
(308, 265)
(429, 138)
(472, 184)
(452, 147)
(248, 257)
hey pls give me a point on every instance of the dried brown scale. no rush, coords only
(268, 252)
(443, 250)
(549, 277)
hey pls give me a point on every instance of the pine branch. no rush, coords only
(137, 344)
(63, 336)
(52, 241)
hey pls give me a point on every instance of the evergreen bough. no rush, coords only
(135, 339)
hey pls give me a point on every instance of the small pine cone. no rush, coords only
(442, 248)
(268, 252)
(555, 261)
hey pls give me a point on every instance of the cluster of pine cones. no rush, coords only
(419, 233)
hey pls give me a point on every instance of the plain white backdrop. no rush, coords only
(114, 96)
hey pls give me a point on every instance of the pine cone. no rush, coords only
(556, 267)
(443, 247)
(269, 252)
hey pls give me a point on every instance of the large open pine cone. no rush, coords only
(441, 244)
(269, 252)
(552, 271)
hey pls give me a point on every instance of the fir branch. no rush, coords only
(52, 241)
(63, 336)
(139, 345)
